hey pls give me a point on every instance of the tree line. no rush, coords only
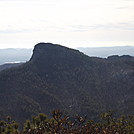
(63, 124)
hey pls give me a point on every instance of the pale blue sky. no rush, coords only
(73, 23)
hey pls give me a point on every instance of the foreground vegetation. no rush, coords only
(62, 124)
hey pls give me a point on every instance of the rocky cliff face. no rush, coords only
(48, 57)
(63, 78)
(49, 50)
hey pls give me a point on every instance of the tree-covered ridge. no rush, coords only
(63, 78)
(63, 124)
(9, 65)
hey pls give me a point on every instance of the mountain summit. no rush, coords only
(52, 50)
(58, 77)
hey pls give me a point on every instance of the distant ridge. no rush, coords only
(104, 52)
(11, 55)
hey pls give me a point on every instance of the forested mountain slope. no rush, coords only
(57, 77)
(9, 65)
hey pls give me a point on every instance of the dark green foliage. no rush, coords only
(9, 127)
(62, 124)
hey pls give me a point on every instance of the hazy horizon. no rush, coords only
(72, 23)
(69, 47)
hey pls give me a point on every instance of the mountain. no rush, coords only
(104, 52)
(57, 77)
(11, 55)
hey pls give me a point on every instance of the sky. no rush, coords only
(71, 23)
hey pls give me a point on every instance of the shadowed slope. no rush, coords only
(59, 77)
